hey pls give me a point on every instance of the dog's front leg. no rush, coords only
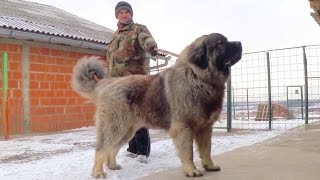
(183, 140)
(203, 141)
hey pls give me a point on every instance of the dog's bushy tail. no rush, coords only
(83, 78)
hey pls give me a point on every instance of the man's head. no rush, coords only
(123, 12)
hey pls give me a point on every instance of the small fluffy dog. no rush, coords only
(185, 99)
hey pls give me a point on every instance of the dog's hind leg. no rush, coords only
(113, 149)
(203, 141)
(100, 153)
(111, 158)
(183, 140)
(97, 170)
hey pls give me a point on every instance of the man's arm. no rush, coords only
(146, 41)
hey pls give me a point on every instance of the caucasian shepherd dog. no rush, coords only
(185, 99)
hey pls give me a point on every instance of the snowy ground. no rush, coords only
(69, 155)
(277, 124)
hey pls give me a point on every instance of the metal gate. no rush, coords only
(295, 102)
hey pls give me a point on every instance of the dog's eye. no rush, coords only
(217, 47)
(220, 44)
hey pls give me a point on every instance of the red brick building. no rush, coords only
(43, 44)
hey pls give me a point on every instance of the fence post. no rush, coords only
(306, 102)
(288, 107)
(248, 111)
(5, 110)
(269, 90)
(25, 66)
(229, 104)
(301, 97)
(233, 106)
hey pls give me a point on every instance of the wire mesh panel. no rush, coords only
(287, 80)
(313, 59)
(249, 90)
(269, 89)
(314, 96)
(278, 97)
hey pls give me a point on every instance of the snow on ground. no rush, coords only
(278, 124)
(70, 154)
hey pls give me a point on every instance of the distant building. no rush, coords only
(43, 44)
(315, 5)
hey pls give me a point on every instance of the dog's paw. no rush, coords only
(194, 173)
(115, 167)
(99, 175)
(211, 168)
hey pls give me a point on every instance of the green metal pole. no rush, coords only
(306, 102)
(4, 94)
(288, 102)
(269, 91)
(229, 103)
(233, 106)
(248, 111)
(301, 102)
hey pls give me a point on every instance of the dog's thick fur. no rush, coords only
(185, 99)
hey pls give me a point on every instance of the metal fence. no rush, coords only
(274, 89)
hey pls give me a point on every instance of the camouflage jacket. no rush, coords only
(127, 48)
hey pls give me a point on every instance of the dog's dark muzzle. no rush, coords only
(235, 52)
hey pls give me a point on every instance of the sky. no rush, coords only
(259, 25)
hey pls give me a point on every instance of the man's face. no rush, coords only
(124, 16)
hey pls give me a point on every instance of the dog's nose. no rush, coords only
(238, 44)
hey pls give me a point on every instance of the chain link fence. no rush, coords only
(274, 89)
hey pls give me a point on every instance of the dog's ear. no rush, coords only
(198, 56)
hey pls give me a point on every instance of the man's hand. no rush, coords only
(153, 50)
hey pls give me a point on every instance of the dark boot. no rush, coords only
(140, 143)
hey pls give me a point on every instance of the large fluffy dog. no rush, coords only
(185, 99)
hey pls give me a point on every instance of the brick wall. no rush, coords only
(52, 104)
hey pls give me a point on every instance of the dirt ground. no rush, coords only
(294, 155)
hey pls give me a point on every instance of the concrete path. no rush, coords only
(294, 155)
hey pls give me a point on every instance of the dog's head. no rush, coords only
(213, 52)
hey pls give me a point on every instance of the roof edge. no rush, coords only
(23, 35)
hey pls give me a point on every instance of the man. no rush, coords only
(126, 56)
